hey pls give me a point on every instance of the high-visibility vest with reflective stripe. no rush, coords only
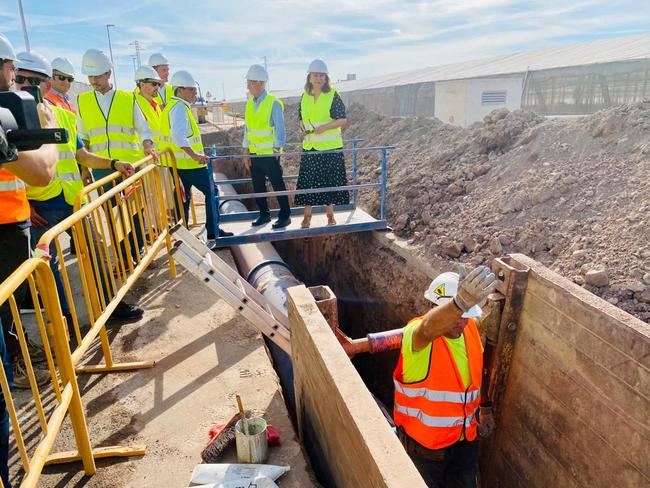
(67, 179)
(13, 198)
(259, 131)
(58, 101)
(169, 93)
(435, 411)
(151, 115)
(183, 161)
(114, 136)
(315, 114)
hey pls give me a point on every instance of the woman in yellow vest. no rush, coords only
(148, 83)
(321, 114)
(438, 381)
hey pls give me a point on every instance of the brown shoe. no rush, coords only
(36, 353)
(21, 379)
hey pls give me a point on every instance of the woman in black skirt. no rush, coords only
(321, 114)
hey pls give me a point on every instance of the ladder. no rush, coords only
(217, 275)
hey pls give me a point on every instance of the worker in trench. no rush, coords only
(438, 381)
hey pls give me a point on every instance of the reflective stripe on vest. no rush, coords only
(259, 132)
(315, 114)
(168, 90)
(114, 136)
(151, 115)
(183, 161)
(13, 198)
(67, 179)
(438, 410)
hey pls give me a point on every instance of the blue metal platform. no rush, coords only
(349, 218)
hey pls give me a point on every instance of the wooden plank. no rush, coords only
(357, 442)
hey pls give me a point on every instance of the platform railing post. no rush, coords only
(384, 181)
(212, 196)
(354, 172)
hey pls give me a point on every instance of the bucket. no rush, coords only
(252, 446)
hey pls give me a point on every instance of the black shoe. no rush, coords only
(282, 222)
(261, 220)
(124, 311)
(225, 233)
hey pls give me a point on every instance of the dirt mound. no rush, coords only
(572, 193)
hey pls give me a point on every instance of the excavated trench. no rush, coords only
(377, 289)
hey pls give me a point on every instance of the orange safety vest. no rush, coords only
(58, 101)
(13, 198)
(435, 411)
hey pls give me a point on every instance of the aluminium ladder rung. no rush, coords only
(234, 290)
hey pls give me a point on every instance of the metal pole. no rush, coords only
(354, 172)
(266, 68)
(110, 50)
(384, 182)
(134, 67)
(22, 19)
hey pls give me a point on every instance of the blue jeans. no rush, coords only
(53, 217)
(200, 178)
(4, 415)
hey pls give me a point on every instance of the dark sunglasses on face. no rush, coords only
(156, 84)
(32, 80)
(64, 78)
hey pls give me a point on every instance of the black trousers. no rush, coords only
(269, 167)
(14, 250)
(456, 467)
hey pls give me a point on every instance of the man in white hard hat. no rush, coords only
(53, 203)
(438, 381)
(264, 139)
(160, 63)
(33, 167)
(180, 132)
(62, 78)
(148, 82)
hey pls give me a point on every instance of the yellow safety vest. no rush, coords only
(183, 161)
(315, 114)
(169, 93)
(114, 136)
(67, 179)
(151, 115)
(259, 131)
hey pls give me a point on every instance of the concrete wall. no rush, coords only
(458, 102)
(576, 410)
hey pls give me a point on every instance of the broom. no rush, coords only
(221, 436)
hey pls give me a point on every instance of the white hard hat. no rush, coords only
(6, 49)
(442, 290)
(63, 65)
(146, 73)
(257, 73)
(94, 63)
(32, 61)
(156, 59)
(317, 66)
(183, 79)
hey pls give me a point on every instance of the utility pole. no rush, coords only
(268, 85)
(22, 19)
(134, 67)
(110, 50)
(136, 44)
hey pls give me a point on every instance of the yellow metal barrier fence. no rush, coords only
(62, 395)
(117, 233)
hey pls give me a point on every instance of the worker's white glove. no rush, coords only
(486, 422)
(474, 287)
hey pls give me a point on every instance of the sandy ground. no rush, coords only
(205, 354)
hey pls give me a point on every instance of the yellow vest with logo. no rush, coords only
(315, 114)
(67, 179)
(169, 93)
(259, 131)
(183, 161)
(114, 136)
(151, 115)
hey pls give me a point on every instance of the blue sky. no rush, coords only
(217, 41)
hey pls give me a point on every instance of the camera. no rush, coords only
(20, 127)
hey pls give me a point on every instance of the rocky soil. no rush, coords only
(572, 193)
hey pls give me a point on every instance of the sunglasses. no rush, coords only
(157, 84)
(32, 80)
(65, 78)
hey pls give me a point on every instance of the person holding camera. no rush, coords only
(35, 167)
(53, 203)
